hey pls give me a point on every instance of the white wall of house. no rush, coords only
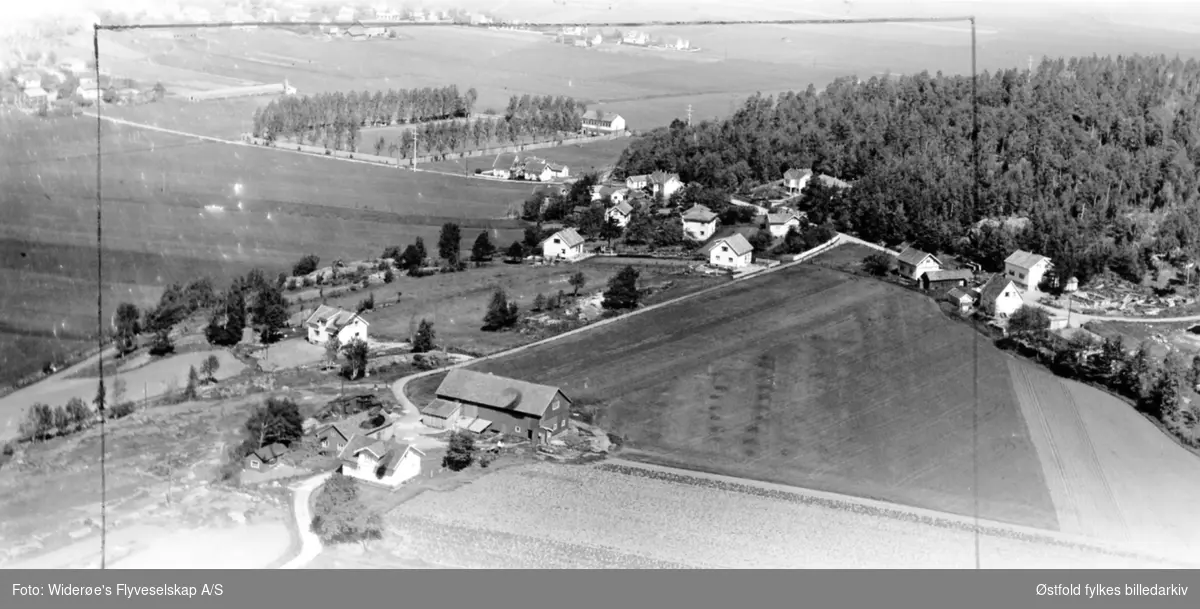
(408, 468)
(699, 231)
(722, 256)
(1030, 279)
(798, 185)
(1006, 303)
(622, 220)
(669, 188)
(781, 230)
(355, 329)
(556, 248)
(926, 265)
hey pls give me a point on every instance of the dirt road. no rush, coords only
(310, 544)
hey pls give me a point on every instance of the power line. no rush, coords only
(230, 24)
(100, 314)
(975, 354)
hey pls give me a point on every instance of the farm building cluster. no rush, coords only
(510, 166)
(582, 36)
(39, 86)
(487, 403)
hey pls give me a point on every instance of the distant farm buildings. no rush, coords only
(603, 122)
(249, 91)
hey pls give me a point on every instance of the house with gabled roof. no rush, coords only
(796, 179)
(1000, 297)
(912, 263)
(264, 458)
(333, 437)
(385, 462)
(536, 170)
(699, 223)
(1026, 269)
(637, 182)
(665, 183)
(602, 122)
(962, 298)
(487, 402)
(566, 244)
(558, 170)
(619, 213)
(732, 252)
(329, 321)
(942, 280)
(780, 223)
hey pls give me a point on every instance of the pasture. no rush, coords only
(457, 302)
(171, 214)
(579, 158)
(808, 377)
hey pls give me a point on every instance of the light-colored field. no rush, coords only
(151, 380)
(1111, 473)
(547, 516)
(579, 158)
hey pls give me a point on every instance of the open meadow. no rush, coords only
(579, 158)
(547, 516)
(171, 213)
(808, 377)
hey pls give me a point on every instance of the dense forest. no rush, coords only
(336, 119)
(1097, 154)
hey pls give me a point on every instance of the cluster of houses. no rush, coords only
(510, 166)
(34, 87)
(999, 297)
(581, 36)
(328, 322)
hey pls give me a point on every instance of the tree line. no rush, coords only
(1081, 147)
(338, 116)
(1156, 388)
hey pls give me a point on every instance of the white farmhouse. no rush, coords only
(912, 263)
(666, 183)
(732, 252)
(619, 213)
(385, 462)
(566, 244)
(329, 321)
(1026, 269)
(1000, 297)
(699, 223)
(780, 224)
(603, 122)
(796, 179)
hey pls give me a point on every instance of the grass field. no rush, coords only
(579, 158)
(545, 516)
(157, 227)
(457, 302)
(809, 377)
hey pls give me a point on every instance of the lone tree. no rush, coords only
(269, 312)
(339, 516)
(306, 265)
(610, 230)
(878, 264)
(209, 368)
(423, 341)
(501, 313)
(577, 281)
(1027, 321)
(482, 250)
(622, 290)
(332, 348)
(411, 260)
(357, 354)
(449, 243)
(189, 392)
(539, 302)
(162, 345)
(460, 453)
(276, 420)
(228, 320)
(516, 252)
(128, 324)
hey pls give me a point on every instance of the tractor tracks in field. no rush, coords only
(1082, 495)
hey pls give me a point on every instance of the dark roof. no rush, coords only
(914, 256)
(600, 116)
(535, 167)
(662, 177)
(622, 208)
(699, 213)
(782, 218)
(333, 316)
(271, 452)
(954, 275)
(960, 294)
(497, 392)
(994, 288)
(1024, 260)
(440, 408)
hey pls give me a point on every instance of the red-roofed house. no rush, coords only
(386, 462)
(329, 321)
(566, 244)
(504, 405)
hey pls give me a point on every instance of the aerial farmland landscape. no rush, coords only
(490, 286)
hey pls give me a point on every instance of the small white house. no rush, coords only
(912, 263)
(666, 183)
(780, 224)
(796, 179)
(619, 213)
(1000, 297)
(699, 223)
(566, 244)
(637, 182)
(385, 462)
(732, 252)
(1026, 269)
(619, 195)
(329, 321)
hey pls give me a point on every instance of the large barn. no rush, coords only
(485, 402)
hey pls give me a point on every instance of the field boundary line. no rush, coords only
(895, 511)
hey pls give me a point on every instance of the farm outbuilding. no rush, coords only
(941, 281)
(503, 405)
(265, 458)
(912, 263)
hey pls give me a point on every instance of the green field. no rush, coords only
(811, 377)
(157, 227)
(579, 158)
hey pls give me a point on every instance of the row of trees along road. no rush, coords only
(1082, 147)
(336, 120)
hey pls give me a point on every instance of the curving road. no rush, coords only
(310, 544)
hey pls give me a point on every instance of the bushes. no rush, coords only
(461, 452)
(306, 265)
